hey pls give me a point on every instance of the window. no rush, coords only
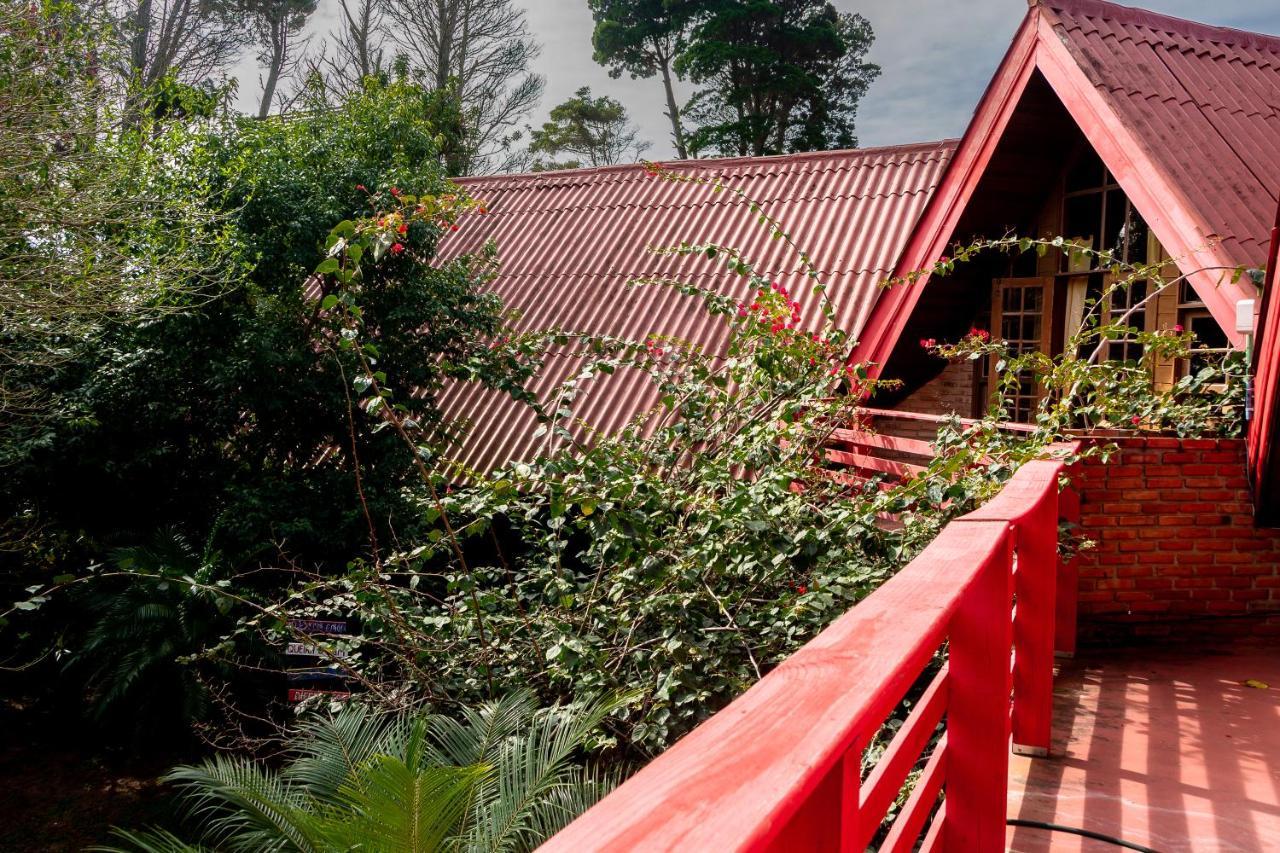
(1021, 322)
(1096, 212)
(1210, 342)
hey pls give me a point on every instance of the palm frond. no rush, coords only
(330, 749)
(148, 841)
(244, 807)
(395, 808)
(534, 768)
(480, 734)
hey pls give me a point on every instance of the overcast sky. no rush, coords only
(937, 57)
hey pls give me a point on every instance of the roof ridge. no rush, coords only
(1163, 23)
(940, 145)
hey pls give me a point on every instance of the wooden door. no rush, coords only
(1021, 314)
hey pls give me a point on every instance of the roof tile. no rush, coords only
(570, 242)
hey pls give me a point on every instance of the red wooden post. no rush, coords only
(824, 824)
(978, 716)
(1033, 627)
(1064, 642)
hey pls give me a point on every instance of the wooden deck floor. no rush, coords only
(1167, 748)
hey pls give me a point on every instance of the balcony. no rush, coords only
(1161, 732)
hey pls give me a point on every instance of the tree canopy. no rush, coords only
(776, 76)
(592, 131)
(643, 38)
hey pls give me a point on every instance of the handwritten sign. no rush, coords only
(319, 626)
(314, 651)
(298, 694)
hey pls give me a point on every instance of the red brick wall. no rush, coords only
(1173, 523)
(950, 392)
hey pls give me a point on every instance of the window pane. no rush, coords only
(1207, 331)
(1136, 238)
(1012, 299)
(1113, 230)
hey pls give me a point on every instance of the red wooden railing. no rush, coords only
(780, 767)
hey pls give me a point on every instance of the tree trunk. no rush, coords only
(279, 46)
(141, 34)
(673, 110)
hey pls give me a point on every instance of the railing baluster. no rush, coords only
(977, 761)
(1033, 627)
(826, 820)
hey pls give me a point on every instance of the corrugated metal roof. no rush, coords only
(569, 242)
(1203, 101)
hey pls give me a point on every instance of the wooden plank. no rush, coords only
(921, 417)
(906, 829)
(933, 837)
(876, 440)
(886, 778)
(864, 462)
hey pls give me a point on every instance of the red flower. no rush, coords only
(397, 248)
(802, 589)
(362, 188)
(453, 227)
(1135, 420)
(404, 228)
(395, 191)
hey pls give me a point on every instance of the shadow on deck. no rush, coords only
(1167, 748)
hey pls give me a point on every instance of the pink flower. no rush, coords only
(397, 248)
(1178, 328)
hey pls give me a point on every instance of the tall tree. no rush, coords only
(359, 48)
(778, 75)
(86, 240)
(643, 38)
(278, 24)
(486, 47)
(191, 40)
(594, 131)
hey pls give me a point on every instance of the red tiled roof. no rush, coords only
(569, 242)
(1203, 101)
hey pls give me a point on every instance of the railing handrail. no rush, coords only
(744, 776)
